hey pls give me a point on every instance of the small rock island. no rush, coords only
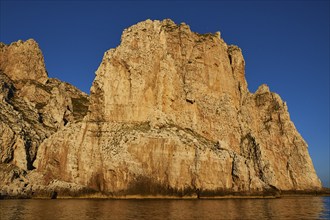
(169, 115)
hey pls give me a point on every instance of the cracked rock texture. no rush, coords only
(33, 107)
(170, 114)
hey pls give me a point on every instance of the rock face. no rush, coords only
(170, 114)
(22, 61)
(33, 107)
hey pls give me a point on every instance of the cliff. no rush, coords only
(33, 107)
(170, 114)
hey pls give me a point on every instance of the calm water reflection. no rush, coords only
(284, 208)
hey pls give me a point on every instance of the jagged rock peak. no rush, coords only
(23, 60)
(263, 89)
(166, 25)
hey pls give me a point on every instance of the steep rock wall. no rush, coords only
(170, 113)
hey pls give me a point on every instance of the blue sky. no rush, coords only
(285, 45)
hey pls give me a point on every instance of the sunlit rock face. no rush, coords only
(170, 112)
(23, 60)
(32, 108)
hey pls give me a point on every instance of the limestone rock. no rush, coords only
(32, 106)
(23, 60)
(170, 113)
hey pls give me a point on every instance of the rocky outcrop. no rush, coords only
(23, 60)
(33, 107)
(170, 114)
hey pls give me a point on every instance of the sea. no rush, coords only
(297, 207)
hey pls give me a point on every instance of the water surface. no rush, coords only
(284, 208)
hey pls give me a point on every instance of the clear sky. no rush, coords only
(285, 45)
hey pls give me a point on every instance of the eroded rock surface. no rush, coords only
(23, 60)
(170, 114)
(33, 107)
